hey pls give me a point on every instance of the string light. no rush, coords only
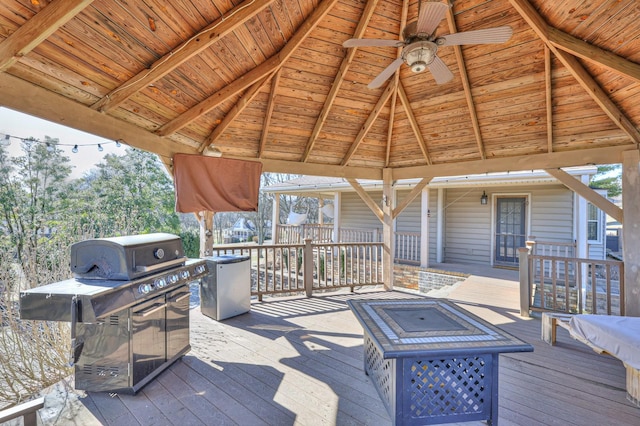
(5, 140)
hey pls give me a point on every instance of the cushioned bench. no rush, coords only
(615, 335)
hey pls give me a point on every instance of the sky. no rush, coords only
(24, 126)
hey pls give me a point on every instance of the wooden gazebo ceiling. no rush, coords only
(270, 81)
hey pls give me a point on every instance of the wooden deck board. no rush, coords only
(299, 361)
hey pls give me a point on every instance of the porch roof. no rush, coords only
(327, 186)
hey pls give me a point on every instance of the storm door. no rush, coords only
(510, 229)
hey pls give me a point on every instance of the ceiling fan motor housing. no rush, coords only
(418, 55)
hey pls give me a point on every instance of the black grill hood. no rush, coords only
(126, 258)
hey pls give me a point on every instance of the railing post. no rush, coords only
(307, 266)
(525, 297)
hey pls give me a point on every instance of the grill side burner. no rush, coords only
(124, 331)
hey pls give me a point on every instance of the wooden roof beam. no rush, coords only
(37, 29)
(533, 18)
(413, 122)
(467, 86)
(237, 109)
(548, 95)
(266, 68)
(275, 82)
(367, 13)
(196, 44)
(396, 82)
(377, 109)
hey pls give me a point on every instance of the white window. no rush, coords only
(594, 224)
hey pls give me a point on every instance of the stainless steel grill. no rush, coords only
(128, 306)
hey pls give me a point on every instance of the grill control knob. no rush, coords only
(200, 269)
(185, 274)
(173, 278)
(159, 282)
(144, 288)
(158, 253)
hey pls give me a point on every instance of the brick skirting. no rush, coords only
(425, 280)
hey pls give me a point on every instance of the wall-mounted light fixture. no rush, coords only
(484, 199)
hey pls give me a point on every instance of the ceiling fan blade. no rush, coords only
(385, 74)
(440, 71)
(430, 16)
(371, 42)
(486, 36)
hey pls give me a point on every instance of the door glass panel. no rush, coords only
(510, 229)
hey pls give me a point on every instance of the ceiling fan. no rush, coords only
(420, 44)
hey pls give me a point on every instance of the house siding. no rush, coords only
(468, 230)
(356, 214)
(552, 214)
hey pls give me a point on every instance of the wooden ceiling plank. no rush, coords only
(37, 29)
(266, 68)
(20, 95)
(413, 122)
(598, 94)
(364, 195)
(339, 78)
(589, 194)
(464, 77)
(369, 122)
(548, 93)
(275, 82)
(533, 18)
(202, 40)
(237, 109)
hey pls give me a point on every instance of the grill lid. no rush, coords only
(126, 258)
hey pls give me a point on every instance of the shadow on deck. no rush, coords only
(300, 361)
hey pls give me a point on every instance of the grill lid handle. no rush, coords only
(152, 268)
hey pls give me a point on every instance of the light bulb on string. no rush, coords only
(5, 140)
(75, 149)
(118, 143)
(100, 148)
(50, 147)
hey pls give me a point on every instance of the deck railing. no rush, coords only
(28, 411)
(309, 267)
(570, 285)
(407, 247)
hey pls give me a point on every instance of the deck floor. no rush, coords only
(299, 361)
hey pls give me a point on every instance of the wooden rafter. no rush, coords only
(377, 109)
(464, 77)
(37, 29)
(275, 81)
(202, 40)
(548, 94)
(396, 82)
(237, 109)
(413, 122)
(266, 68)
(339, 78)
(584, 50)
(583, 77)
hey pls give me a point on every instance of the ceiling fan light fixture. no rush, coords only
(419, 55)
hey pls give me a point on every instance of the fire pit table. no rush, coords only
(432, 361)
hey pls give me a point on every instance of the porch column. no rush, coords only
(387, 228)
(320, 214)
(424, 228)
(582, 246)
(631, 231)
(206, 233)
(275, 218)
(337, 199)
(440, 227)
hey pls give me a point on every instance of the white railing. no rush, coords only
(407, 248)
(28, 411)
